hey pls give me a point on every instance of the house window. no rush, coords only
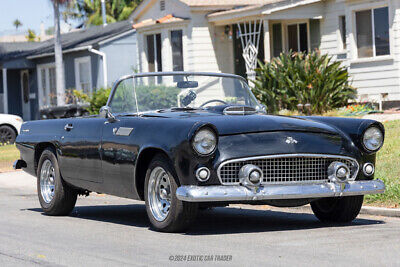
(277, 39)
(83, 75)
(373, 32)
(177, 50)
(342, 30)
(47, 86)
(154, 59)
(298, 37)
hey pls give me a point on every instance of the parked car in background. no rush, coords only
(180, 141)
(67, 111)
(10, 126)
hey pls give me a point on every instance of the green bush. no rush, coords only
(298, 78)
(154, 97)
(150, 97)
(96, 100)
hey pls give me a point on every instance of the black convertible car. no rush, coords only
(182, 141)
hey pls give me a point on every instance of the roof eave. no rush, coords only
(76, 49)
(226, 17)
(289, 5)
(161, 25)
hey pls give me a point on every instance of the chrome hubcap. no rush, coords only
(47, 181)
(159, 193)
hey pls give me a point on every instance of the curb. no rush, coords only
(387, 212)
(368, 210)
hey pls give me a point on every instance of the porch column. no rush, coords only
(267, 45)
(5, 91)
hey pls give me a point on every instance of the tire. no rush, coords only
(180, 214)
(337, 210)
(7, 135)
(57, 198)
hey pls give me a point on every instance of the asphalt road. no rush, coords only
(109, 231)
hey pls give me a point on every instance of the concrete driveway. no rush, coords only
(109, 231)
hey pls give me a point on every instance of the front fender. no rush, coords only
(353, 128)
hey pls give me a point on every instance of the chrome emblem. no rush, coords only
(291, 140)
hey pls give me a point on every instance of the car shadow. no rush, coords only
(216, 221)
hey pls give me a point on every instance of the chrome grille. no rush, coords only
(286, 168)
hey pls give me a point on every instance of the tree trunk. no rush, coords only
(60, 80)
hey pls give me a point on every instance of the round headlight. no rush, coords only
(205, 142)
(373, 139)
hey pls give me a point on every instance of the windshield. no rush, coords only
(180, 91)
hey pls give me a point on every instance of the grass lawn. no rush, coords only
(8, 154)
(388, 167)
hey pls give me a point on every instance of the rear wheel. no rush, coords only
(340, 210)
(7, 135)
(166, 213)
(55, 196)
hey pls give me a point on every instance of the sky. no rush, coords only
(30, 12)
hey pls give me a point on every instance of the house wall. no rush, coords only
(371, 76)
(175, 7)
(202, 44)
(15, 94)
(69, 66)
(122, 58)
(223, 46)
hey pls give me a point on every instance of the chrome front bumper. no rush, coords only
(193, 193)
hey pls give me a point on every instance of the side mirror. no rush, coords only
(105, 112)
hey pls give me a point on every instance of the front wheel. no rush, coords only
(7, 135)
(55, 196)
(165, 211)
(339, 210)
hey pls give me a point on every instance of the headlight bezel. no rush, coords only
(193, 145)
(363, 138)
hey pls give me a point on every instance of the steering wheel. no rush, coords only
(213, 100)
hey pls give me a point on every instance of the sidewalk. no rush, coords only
(383, 117)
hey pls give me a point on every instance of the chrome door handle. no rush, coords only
(68, 127)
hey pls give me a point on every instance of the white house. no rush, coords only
(228, 36)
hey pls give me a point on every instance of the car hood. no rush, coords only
(238, 124)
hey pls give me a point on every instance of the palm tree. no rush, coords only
(91, 12)
(17, 23)
(60, 80)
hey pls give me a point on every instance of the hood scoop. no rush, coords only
(239, 110)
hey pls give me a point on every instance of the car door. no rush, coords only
(119, 152)
(80, 149)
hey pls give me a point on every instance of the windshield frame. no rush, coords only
(171, 73)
